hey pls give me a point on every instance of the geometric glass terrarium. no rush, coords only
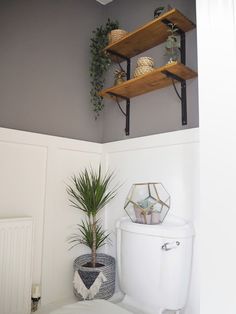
(147, 203)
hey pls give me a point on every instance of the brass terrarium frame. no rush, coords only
(151, 201)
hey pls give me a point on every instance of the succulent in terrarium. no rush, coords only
(172, 44)
(147, 203)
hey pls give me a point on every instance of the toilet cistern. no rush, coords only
(154, 263)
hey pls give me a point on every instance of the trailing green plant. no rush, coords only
(172, 43)
(99, 63)
(90, 192)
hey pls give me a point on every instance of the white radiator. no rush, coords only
(15, 265)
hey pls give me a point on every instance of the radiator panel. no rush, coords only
(15, 265)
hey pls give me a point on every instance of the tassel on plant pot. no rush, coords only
(94, 274)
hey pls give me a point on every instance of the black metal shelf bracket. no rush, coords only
(126, 113)
(118, 55)
(183, 96)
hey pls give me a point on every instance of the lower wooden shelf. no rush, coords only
(150, 81)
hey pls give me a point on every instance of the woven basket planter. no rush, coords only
(116, 34)
(145, 61)
(139, 71)
(107, 288)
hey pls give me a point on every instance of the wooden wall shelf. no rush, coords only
(149, 35)
(146, 37)
(149, 82)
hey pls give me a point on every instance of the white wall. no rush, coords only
(170, 158)
(217, 94)
(35, 169)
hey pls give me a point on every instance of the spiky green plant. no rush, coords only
(85, 236)
(90, 192)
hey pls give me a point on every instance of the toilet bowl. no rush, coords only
(154, 267)
(92, 307)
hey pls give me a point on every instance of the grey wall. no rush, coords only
(44, 77)
(158, 111)
(44, 57)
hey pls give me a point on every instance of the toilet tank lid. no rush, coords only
(172, 227)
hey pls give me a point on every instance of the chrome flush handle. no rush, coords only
(170, 245)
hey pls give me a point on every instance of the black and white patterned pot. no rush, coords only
(88, 274)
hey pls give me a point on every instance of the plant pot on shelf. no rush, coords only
(120, 77)
(158, 11)
(145, 61)
(94, 283)
(141, 70)
(119, 81)
(144, 65)
(172, 44)
(116, 34)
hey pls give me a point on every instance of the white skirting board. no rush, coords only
(15, 265)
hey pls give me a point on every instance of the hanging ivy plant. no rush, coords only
(99, 63)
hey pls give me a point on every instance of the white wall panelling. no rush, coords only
(22, 185)
(34, 171)
(36, 168)
(170, 158)
(60, 219)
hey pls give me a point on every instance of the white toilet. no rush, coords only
(154, 267)
(154, 264)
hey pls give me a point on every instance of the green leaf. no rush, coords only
(84, 235)
(91, 186)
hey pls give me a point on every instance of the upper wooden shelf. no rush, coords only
(150, 81)
(149, 35)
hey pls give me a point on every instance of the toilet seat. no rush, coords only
(92, 307)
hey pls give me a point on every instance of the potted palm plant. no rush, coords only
(94, 275)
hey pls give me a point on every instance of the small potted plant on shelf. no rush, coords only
(172, 44)
(94, 275)
(120, 76)
(99, 63)
(158, 11)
